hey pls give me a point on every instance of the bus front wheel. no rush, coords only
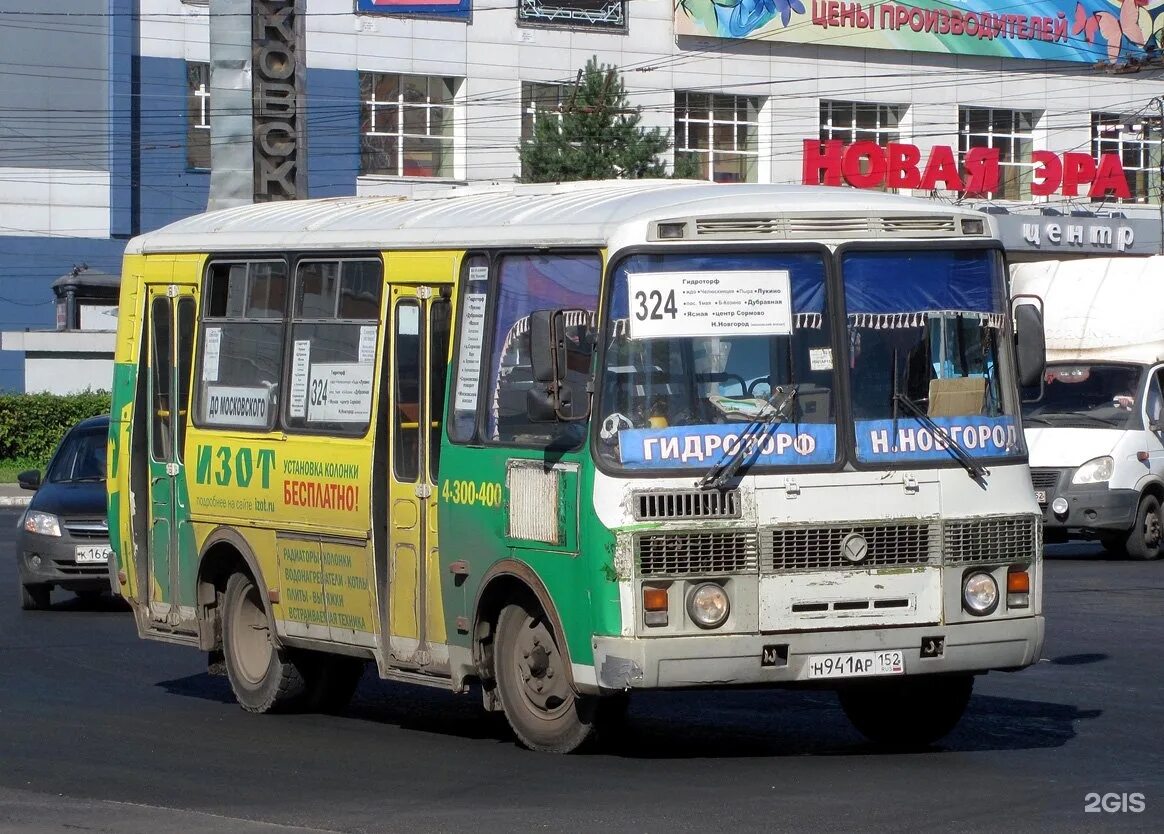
(532, 680)
(907, 712)
(263, 676)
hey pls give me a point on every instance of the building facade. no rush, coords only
(106, 107)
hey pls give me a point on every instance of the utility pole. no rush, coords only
(1159, 102)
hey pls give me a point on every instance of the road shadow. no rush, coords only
(798, 723)
(66, 601)
(701, 724)
(1079, 659)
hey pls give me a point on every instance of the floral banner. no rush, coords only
(1053, 30)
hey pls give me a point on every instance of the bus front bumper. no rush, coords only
(622, 663)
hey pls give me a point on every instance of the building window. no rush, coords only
(717, 136)
(859, 121)
(406, 124)
(1011, 132)
(197, 115)
(1136, 141)
(539, 101)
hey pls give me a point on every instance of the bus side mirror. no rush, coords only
(1030, 345)
(549, 398)
(547, 348)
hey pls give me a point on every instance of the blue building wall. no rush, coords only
(333, 132)
(151, 186)
(167, 189)
(28, 267)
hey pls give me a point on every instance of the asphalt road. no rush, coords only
(100, 731)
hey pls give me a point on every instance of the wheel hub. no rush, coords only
(539, 668)
(251, 638)
(1152, 530)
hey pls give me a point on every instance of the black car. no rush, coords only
(63, 537)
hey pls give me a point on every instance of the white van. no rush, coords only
(1096, 432)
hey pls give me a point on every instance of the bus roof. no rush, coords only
(579, 213)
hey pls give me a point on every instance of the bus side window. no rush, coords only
(406, 394)
(241, 345)
(160, 365)
(439, 314)
(335, 328)
(565, 281)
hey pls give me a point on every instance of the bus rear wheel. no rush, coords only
(263, 676)
(907, 712)
(532, 680)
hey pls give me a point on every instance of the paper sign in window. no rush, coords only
(236, 405)
(300, 371)
(666, 305)
(211, 354)
(472, 344)
(340, 393)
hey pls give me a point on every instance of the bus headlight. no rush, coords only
(1095, 471)
(980, 594)
(707, 605)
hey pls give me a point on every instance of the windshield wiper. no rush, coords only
(977, 470)
(726, 467)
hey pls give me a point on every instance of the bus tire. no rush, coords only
(263, 676)
(1144, 539)
(907, 712)
(537, 698)
(332, 681)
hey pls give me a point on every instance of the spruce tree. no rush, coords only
(596, 136)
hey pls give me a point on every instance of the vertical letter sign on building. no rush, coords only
(280, 152)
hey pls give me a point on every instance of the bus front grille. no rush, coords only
(686, 554)
(687, 503)
(856, 546)
(998, 539)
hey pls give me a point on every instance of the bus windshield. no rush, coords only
(925, 333)
(698, 347)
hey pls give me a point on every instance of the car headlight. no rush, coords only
(980, 593)
(1095, 471)
(707, 605)
(43, 524)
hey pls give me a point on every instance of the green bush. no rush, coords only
(31, 425)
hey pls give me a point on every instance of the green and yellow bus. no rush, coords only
(567, 442)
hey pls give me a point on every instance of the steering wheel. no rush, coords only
(731, 378)
(751, 388)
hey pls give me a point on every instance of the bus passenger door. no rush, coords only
(170, 324)
(419, 351)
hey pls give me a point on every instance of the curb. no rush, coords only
(15, 500)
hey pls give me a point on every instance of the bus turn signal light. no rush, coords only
(655, 604)
(654, 599)
(1018, 588)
